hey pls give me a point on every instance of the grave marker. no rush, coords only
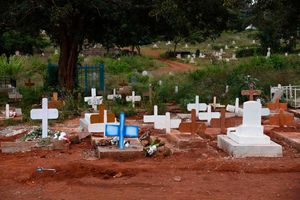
(251, 93)
(133, 98)
(197, 106)
(208, 116)
(114, 96)
(100, 117)
(122, 131)
(282, 119)
(192, 126)
(44, 114)
(277, 106)
(94, 100)
(29, 83)
(235, 109)
(7, 111)
(215, 104)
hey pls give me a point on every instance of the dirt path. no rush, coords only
(172, 66)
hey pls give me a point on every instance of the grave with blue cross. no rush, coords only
(121, 131)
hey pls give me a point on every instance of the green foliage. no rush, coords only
(126, 64)
(11, 66)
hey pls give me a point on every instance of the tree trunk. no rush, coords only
(138, 48)
(175, 47)
(67, 62)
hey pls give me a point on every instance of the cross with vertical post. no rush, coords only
(44, 114)
(122, 131)
(94, 100)
(251, 92)
(114, 95)
(277, 106)
(192, 126)
(208, 116)
(133, 98)
(197, 106)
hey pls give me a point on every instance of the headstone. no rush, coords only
(114, 96)
(233, 57)
(221, 51)
(192, 126)
(121, 131)
(282, 119)
(197, 106)
(235, 109)
(155, 46)
(133, 98)
(176, 89)
(178, 56)
(251, 93)
(233, 42)
(208, 116)
(44, 114)
(277, 106)
(94, 100)
(192, 61)
(168, 43)
(251, 131)
(201, 55)
(186, 46)
(226, 47)
(188, 56)
(102, 116)
(227, 89)
(215, 104)
(15, 95)
(269, 52)
(7, 111)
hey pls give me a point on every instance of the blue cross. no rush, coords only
(122, 131)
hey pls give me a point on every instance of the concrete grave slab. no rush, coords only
(185, 140)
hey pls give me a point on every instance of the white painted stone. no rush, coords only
(44, 114)
(235, 109)
(133, 98)
(251, 130)
(176, 89)
(208, 116)
(95, 127)
(197, 106)
(94, 100)
(7, 111)
(269, 52)
(114, 95)
(178, 56)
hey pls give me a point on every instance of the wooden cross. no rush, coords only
(192, 126)
(29, 83)
(99, 118)
(215, 104)
(277, 106)
(251, 93)
(282, 119)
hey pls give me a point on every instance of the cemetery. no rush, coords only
(210, 110)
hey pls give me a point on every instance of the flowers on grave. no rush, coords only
(150, 145)
(36, 134)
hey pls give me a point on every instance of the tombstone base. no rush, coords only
(135, 150)
(185, 140)
(249, 150)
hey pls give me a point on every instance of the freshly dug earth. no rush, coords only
(203, 173)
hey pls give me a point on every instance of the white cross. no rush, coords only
(197, 106)
(133, 98)
(94, 100)
(114, 95)
(235, 109)
(44, 114)
(215, 104)
(209, 115)
(162, 121)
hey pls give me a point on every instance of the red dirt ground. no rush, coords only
(204, 173)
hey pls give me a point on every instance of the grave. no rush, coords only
(277, 106)
(268, 53)
(282, 119)
(15, 95)
(94, 100)
(133, 98)
(251, 92)
(235, 109)
(162, 121)
(197, 106)
(114, 95)
(44, 114)
(15, 113)
(248, 139)
(121, 131)
(216, 105)
(54, 102)
(209, 115)
(96, 123)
